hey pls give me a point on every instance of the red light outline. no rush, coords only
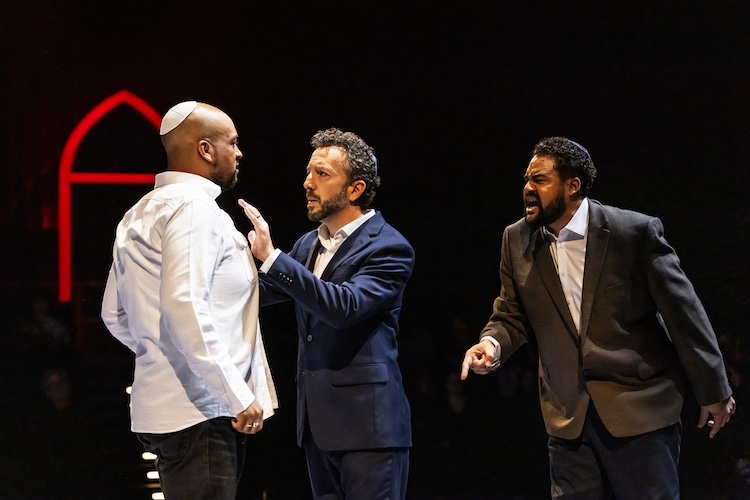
(67, 177)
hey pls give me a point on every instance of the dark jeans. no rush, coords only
(204, 461)
(598, 465)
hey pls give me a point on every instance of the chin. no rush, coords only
(531, 221)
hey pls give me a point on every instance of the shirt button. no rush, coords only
(309, 338)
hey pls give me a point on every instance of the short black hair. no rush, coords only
(571, 160)
(361, 161)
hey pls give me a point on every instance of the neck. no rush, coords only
(563, 221)
(336, 221)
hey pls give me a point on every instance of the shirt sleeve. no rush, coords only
(113, 314)
(192, 248)
(269, 261)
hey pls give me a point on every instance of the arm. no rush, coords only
(114, 316)
(507, 326)
(379, 278)
(689, 329)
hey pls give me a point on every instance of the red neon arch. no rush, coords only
(67, 177)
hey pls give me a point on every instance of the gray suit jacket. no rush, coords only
(624, 360)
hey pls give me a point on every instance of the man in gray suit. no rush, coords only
(620, 332)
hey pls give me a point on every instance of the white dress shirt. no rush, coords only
(569, 255)
(178, 295)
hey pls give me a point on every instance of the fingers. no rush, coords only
(248, 426)
(465, 366)
(249, 421)
(703, 417)
(251, 212)
(476, 360)
(720, 414)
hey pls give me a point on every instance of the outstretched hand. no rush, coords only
(261, 245)
(480, 359)
(720, 412)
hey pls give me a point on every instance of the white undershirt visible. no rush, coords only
(569, 255)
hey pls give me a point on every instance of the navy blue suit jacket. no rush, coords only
(349, 385)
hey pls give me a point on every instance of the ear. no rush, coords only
(574, 187)
(206, 150)
(356, 189)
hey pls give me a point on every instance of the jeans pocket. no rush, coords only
(172, 446)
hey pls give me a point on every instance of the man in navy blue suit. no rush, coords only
(347, 280)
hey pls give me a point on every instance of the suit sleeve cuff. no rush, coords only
(498, 351)
(269, 261)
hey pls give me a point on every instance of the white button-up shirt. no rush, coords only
(180, 285)
(569, 254)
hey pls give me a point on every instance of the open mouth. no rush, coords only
(532, 206)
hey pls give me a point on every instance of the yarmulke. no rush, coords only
(176, 115)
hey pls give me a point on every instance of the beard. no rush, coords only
(224, 182)
(329, 207)
(549, 214)
(230, 183)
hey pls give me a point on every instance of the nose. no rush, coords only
(239, 152)
(307, 183)
(528, 188)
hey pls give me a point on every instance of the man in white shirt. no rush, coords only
(596, 286)
(182, 295)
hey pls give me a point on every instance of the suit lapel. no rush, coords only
(354, 244)
(596, 251)
(546, 268)
(312, 253)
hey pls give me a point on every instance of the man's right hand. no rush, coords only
(480, 359)
(249, 421)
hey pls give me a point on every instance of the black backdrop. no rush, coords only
(452, 95)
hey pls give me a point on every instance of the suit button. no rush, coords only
(587, 373)
(309, 338)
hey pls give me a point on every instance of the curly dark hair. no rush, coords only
(571, 160)
(361, 163)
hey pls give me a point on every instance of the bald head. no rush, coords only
(204, 142)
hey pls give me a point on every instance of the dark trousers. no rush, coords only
(203, 462)
(379, 474)
(598, 465)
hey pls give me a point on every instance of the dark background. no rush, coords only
(452, 96)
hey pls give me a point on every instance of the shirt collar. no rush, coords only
(325, 237)
(175, 177)
(577, 228)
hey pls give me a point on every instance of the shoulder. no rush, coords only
(519, 230)
(619, 217)
(382, 232)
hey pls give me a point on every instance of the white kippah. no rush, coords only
(176, 115)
